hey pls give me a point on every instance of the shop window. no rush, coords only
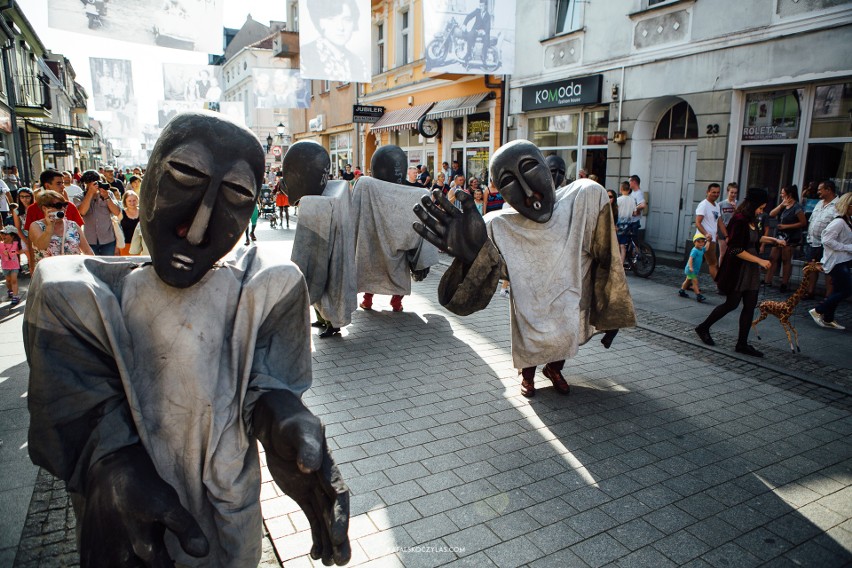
(832, 108)
(567, 16)
(479, 128)
(831, 161)
(678, 123)
(458, 130)
(558, 130)
(773, 115)
(595, 127)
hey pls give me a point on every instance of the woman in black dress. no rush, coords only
(739, 276)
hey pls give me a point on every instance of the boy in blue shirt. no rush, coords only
(693, 267)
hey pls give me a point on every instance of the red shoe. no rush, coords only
(396, 303)
(559, 382)
(528, 388)
(367, 304)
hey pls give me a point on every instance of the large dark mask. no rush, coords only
(557, 169)
(198, 195)
(389, 163)
(306, 169)
(521, 175)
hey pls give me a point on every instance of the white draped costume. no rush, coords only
(117, 357)
(567, 280)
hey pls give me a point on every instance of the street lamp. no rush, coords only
(268, 143)
(281, 129)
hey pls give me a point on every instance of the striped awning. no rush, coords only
(460, 106)
(401, 119)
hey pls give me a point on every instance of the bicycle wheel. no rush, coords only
(645, 260)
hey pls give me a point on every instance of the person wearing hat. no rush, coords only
(738, 277)
(10, 261)
(693, 267)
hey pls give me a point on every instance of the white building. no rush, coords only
(687, 92)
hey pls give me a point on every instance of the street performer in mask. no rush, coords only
(560, 255)
(151, 382)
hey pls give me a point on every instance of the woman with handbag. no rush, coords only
(836, 262)
(739, 276)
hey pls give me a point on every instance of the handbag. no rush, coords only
(119, 233)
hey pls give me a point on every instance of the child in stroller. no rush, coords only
(267, 206)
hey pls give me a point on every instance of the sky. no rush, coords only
(146, 60)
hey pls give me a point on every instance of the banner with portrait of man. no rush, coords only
(112, 83)
(334, 40)
(280, 88)
(190, 83)
(475, 37)
(194, 25)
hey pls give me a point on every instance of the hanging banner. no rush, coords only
(190, 83)
(112, 83)
(194, 25)
(334, 40)
(474, 37)
(280, 88)
(167, 110)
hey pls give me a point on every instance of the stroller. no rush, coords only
(267, 206)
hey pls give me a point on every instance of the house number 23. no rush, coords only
(712, 129)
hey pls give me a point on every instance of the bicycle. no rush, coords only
(640, 257)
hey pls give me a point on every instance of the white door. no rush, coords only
(670, 196)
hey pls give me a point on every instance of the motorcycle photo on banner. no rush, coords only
(473, 37)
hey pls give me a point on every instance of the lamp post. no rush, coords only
(268, 143)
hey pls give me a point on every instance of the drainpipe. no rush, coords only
(502, 86)
(620, 97)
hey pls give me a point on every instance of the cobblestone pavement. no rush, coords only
(666, 453)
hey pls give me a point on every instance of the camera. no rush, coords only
(102, 185)
(56, 215)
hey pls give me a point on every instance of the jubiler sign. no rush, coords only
(571, 92)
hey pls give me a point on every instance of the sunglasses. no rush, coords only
(56, 205)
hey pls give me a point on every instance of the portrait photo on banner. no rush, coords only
(112, 83)
(475, 37)
(334, 40)
(167, 110)
(183, 82)
(194, 25)
(280, 88)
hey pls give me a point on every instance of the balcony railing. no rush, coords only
(31, 92)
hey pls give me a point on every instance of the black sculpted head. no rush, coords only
(557, 169)
(305, 168)
(198, 194)
(521, 175)
(389, 163)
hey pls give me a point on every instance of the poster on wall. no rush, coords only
(334, 40)
(190, 83)
(280, 88)
(112, 83)
(475, 37)
(194, 25)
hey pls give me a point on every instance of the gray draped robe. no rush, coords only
(567, 279)
(117, 357)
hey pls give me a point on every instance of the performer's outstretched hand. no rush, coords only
(127, 511)
(300, 463)
(461, 233)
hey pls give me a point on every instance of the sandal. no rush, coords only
(559, 382)
(528, 388)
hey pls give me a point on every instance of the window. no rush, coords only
(404, 38)
(678, 123)
(773, 115)
(832, 107)
(567, 16)
(831, 159)
(380, 48)
(560, 135)
(294, 17)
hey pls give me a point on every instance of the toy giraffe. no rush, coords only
(784, 310)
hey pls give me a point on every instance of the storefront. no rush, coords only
(795, 135)
(565, 118)
(340, 151)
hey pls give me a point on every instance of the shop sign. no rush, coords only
(570, 92)
(367, 114)
(478, 130)
(766, 133)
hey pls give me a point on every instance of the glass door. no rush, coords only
(769, 167)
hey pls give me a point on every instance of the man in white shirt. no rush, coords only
(72, 190)
(708, 221)
(824, 212)
(639, 198)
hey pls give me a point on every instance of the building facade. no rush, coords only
(687, 92)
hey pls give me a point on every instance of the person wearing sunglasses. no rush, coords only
(56, 235)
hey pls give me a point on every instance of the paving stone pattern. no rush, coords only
(665, 454)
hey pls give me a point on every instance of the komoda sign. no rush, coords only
(578, 91)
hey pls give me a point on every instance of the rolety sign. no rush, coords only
(569, 92)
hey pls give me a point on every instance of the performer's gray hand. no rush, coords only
(301, 464)
(127, 511)
(461, 233)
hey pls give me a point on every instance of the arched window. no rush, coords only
(678, 123)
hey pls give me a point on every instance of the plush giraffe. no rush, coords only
(784, 310)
